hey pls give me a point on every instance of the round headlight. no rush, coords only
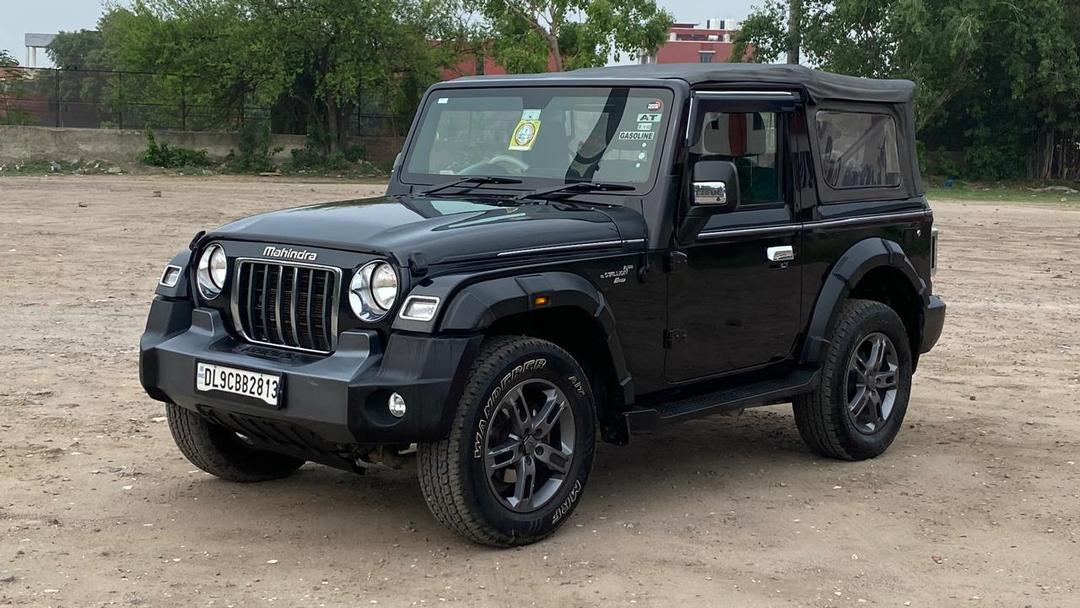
(219, 267)
(384, 286)
(212, 270)
(373, 291)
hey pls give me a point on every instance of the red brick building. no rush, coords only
(472, 64)
(710, 42)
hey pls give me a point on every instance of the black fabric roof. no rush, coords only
(819, 85)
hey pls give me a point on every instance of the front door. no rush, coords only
(733, 294)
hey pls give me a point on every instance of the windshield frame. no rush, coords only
(665, 133)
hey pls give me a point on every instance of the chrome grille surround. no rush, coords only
(288, 305)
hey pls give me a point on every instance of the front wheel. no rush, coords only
(859, 406)
(223, 453)
(520, 449)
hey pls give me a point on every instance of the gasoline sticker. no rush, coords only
(637, 135)
(524, 135)
(649, 117)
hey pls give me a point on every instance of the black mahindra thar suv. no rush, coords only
(560, 258)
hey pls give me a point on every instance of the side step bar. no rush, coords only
(732, 399)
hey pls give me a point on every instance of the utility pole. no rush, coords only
(794, 33)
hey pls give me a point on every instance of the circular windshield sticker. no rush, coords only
(525, 135)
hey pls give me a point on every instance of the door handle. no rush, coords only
(784, 253)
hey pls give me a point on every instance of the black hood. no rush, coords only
(443, 229)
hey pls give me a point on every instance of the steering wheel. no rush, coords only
(502, 160)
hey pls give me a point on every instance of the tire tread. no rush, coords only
(218, 451)
(441, 482)
(820, 425)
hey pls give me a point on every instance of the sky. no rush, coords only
(18, 17)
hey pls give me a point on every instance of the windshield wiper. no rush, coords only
(476, 181)
(571, 189)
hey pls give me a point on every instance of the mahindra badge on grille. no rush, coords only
(290, 254)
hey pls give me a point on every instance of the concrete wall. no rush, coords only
(18, 143)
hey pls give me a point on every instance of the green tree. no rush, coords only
(12, 88)
(81, 50)
(572, 34)
(316, 61)
(1000, 77)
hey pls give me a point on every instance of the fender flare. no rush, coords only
(181, 290)
(845, 274)
(477, 306)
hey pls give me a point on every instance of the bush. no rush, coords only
(312, 158)
(255, 154)
(162, 155)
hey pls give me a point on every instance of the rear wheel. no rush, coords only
(519, 453)
(221, 452)
(859, 406)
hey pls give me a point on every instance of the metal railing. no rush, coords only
(100, 99)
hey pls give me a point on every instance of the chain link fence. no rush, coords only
(97, 99)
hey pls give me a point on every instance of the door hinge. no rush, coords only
(671, 336)
(676, 261)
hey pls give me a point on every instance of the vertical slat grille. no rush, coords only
(286, 305)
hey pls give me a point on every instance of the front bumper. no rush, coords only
(328, 403)
(933, 323)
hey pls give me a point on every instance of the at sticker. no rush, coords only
(637, 135)
(649, 117)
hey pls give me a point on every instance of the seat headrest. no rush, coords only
(732, 135)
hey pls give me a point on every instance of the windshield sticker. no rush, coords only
(655, 106)
(524, 135)
(649, 117)
(530, 115)
(645, 126)
(637, 135)
(443, 101)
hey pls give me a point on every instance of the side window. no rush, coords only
(858, 150)
(750, 140)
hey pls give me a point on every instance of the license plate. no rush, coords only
(263, 387)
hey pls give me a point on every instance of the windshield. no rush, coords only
(542, 136)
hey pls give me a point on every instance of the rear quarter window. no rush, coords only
(858, 150)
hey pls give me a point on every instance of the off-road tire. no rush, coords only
(221, 452)
(822, 416)
(452, 472)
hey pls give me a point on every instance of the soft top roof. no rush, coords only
(819, 85)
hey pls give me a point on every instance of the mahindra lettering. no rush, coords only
(561, 259)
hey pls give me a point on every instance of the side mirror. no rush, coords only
(715, 189)
(716, 185)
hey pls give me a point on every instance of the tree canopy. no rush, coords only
(316, 61)
(998, 80)
(530, 35)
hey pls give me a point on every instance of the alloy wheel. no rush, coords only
(529, 445)
(872, 382)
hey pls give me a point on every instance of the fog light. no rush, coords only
(396, 403)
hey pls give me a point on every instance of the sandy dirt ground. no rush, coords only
(976, 504)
